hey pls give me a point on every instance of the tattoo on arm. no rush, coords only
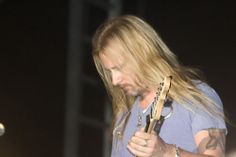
(215, 140)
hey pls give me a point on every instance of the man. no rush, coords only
(132, 60)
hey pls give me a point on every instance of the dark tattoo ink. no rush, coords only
(215, 140)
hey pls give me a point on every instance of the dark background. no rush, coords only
(33, 62)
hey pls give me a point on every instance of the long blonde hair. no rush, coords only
(151, 61)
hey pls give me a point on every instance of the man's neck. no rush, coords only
(147, 98)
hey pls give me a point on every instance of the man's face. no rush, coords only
(117, 67)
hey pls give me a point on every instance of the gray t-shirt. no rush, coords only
(180, 128)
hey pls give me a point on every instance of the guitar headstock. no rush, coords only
(162, 92)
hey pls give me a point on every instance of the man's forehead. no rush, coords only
(110, 61)
(113, 53)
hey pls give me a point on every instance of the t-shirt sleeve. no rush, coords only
(202, 120)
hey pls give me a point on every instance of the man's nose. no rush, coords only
(116, 78)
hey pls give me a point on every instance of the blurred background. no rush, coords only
(52, 102)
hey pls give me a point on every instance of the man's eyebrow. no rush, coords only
(118, 66)
(115, 67)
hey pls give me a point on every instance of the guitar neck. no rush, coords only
(154, 124)
(155, 121)
(150, 125)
